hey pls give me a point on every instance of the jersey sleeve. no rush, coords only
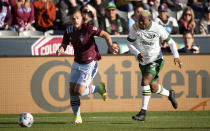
(65, 39)
(66, 36)
(94, 30)
(156, 20)
(164, 34)
(173, 48)
(132, 36)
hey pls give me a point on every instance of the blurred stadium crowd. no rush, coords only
(113, 16)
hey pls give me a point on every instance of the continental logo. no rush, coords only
(36, 86)
(110, 74)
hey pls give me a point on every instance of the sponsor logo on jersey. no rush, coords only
(147, 43)
(150, 35)
(89, 58)
(94, 28)
(81, 37)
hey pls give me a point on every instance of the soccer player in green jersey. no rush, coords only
(144, 42)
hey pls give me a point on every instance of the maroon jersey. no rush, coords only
(85, 48)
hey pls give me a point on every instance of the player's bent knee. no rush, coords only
(145, 82)
(72, 88)
(71, 91)
(79, 89)
(154, 88)
(79, 92)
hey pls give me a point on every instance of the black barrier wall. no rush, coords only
(22, 46)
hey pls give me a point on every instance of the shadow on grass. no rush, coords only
(118, 123)
(114, 123)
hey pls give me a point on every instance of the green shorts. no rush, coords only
(153, 68)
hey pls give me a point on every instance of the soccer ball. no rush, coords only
(25, 119)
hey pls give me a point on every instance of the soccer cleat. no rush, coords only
(141, 116)
(102, 91)
(171, 98)
(77, 120)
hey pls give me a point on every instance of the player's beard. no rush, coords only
(77, 25)
(141, 27)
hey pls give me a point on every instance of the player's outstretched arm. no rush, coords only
(178, 61)
(61, 49)
(108, 39)
(140, 57)
(174, 50)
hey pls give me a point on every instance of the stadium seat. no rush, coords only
(8, 33)
(49, 32)
(58, 32)
(31, 33)
(54, 32)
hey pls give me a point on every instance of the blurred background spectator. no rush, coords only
(195, 49)
(55, 2)
(109, 15)
(112, 22)
(24, 15)
(99, 5)
(175, 7)
(153, 7)
(198, 7)
(188, 42)
(12, 3)
(89, 15)
(187, 21)
(63, 16)
(169, 23)
(115, 44)
(134, 17)
(45, 14)
(5, 15)
(142, 3)
(205, 22)
(124, 5)
(84, 2)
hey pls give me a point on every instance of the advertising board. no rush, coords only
(40, 84)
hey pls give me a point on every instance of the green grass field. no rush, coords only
(114, 121)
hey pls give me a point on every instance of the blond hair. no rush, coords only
(145, 13)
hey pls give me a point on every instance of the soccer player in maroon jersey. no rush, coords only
(85, 64)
